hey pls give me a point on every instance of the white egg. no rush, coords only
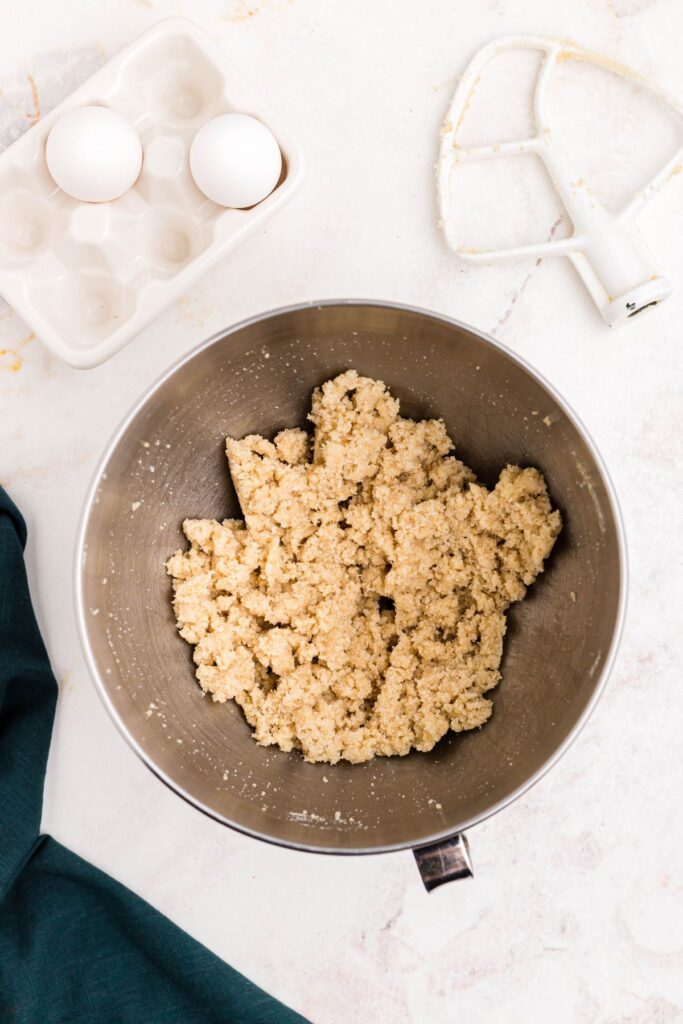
(235, 160)
(93, 154)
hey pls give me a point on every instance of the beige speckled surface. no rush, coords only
(576, 914)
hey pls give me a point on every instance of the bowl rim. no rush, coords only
(79, 561)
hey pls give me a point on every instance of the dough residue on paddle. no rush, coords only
(359, 608)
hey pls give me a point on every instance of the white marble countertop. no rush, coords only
(576, 913)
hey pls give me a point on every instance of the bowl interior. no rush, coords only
(168, 463)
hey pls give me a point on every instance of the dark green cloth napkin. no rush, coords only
(75, 946)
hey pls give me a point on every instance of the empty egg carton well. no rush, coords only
(88, 277)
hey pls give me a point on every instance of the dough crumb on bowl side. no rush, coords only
(358, 610)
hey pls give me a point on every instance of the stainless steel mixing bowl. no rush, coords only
(258, 377)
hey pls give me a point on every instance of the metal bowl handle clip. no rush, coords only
(444, 862)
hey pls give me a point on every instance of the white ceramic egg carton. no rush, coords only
(87, 278)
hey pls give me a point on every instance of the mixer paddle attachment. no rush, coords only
(605, 247)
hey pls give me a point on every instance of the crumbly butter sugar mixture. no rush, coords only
(358, 609)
